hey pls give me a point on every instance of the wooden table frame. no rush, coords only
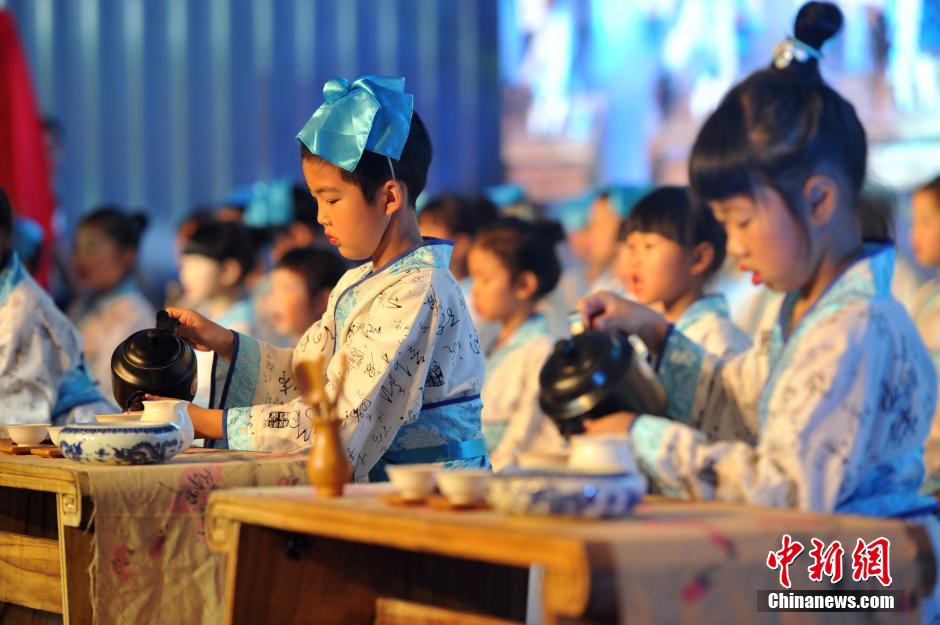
(46, 536)
(356, 554)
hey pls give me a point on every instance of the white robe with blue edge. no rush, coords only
(42, 374)
(832, 418)
(708, 323)
(513, 421)
(412, 390)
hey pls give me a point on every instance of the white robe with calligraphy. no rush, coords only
(415, 371)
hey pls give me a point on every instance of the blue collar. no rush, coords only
(708, 305)
(11, 275)
(536, 325)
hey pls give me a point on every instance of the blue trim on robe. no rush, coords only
(881, 260)
(454, 438)
(243, 372)
(236, 429)
(10, 276)
(679, 369)
(439, 259)
(75, 389)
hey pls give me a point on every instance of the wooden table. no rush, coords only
(359, 560)
(47, 527)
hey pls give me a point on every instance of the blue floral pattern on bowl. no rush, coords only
(127, 443)
(566, 493)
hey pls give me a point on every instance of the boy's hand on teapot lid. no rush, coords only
(604, 311)
(202, 333)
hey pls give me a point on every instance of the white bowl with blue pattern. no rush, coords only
(121, 443)
(565, 492)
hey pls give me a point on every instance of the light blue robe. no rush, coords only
(832, 418)
(105, 321)
(412, 387)
(513, 421)
(42, 374)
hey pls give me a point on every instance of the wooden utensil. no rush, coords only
(327, 466)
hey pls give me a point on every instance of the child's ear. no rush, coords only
(527, 284)
(822, 197)
(393, 196)
(231, 273)
(703, 255)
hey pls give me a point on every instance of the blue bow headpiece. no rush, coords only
(373, 113)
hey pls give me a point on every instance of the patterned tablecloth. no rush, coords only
(151, 563)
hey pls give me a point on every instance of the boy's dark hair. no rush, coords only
(6, 224)
(222, 240)
(672, 213)
(525, 246)
(306, 209)
(321, 268)
(931, 187)
(372, 171)
(780, 126)
(122, 228)
(461, 214)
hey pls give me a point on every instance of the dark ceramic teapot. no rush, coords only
(594, 374)
(154, 361)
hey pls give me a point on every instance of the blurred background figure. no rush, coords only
(109, 306)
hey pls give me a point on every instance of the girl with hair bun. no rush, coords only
(829, 410)
(111, 306)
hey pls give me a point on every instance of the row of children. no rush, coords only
(829, 410)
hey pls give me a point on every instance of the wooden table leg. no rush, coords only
(76, 549)
(289, 579)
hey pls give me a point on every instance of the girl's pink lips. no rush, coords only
(333, 240)
(756, 278)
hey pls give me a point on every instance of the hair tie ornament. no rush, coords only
(373, 113)
(792, 49)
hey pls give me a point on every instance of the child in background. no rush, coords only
(673, 247)
(301, 284)
(599, 243)
(513, 265)
(215, 261)
(457, 218)
(925, 240)
(831, 407)
(396, 332)
(110, 306)
(42, 374)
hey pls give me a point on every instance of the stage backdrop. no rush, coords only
(167, 104)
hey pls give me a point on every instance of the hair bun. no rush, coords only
(817, 22)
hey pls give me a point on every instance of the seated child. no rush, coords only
(301, 283)
(832, 405)
(396, 329)
(925, 240)
(42, 374)
(110, 307)
(673, 247)
(216, 259)
(513, 265)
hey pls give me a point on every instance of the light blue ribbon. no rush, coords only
(374, 113)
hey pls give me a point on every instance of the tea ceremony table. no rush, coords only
(359, 560)
(101, 544)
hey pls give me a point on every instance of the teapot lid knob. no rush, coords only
(166, 323)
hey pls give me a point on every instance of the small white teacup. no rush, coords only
(464, 487)
(602, 453)
(413, 481)
(27, 433)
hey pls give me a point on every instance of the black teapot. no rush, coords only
(594, 374)
(154, 361)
